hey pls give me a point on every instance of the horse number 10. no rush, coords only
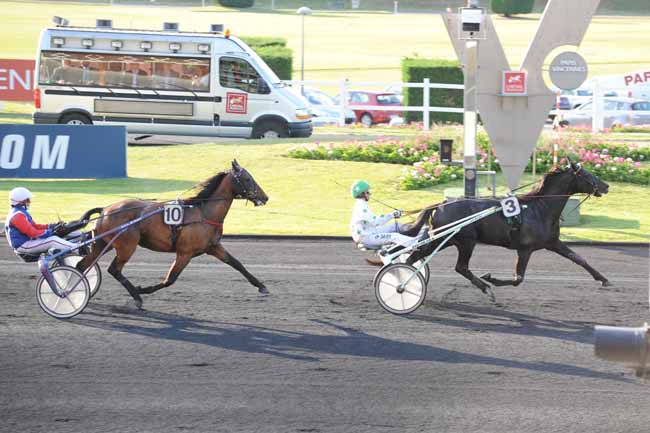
(510, 207)
(173, 214)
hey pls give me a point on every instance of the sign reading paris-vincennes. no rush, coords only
(568, 70)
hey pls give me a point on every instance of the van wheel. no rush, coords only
(564, 123)
(270, 129)
(366, 119)
(75, 119)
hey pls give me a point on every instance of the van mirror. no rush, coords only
(262, 87)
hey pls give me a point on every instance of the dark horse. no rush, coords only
(538, 229)
(200, 233)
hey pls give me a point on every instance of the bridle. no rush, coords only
(244, 192)
(577, 174)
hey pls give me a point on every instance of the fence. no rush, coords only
(426, 86)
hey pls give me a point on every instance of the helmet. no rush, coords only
(359, 187)
(19, 195)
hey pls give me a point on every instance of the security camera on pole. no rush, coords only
(471, 32)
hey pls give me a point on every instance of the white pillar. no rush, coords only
(395, 7)
(344, 101)
(597, 108)
(425, 104)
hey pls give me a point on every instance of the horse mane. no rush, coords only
(208, 186)
(539, 189)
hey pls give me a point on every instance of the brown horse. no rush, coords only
(199, 233)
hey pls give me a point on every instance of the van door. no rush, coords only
(244, 94)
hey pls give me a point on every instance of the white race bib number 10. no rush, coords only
(510, 207)
(173, 214)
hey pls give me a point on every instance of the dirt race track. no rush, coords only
(319, 355)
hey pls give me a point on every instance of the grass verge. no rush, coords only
(306, 197)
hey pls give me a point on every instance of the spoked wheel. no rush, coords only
(399, 288)
(94, 274)
(425, 271)
(74, 287)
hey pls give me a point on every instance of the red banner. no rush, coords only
(16, 80)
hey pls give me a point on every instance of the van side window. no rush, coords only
(239, 74)
(127, 71)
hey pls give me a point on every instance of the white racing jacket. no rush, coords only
(363, 221)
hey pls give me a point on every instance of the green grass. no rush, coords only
(306, 197)
(357, 45)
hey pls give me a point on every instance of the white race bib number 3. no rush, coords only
(510, 207)
(173, 214)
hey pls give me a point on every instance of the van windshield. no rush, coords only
(266, 72)
(122, 70)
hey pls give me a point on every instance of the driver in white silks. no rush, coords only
(369, 229)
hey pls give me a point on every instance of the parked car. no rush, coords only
(369, 117)
(616, 112)
(324, 109)
(581, 96)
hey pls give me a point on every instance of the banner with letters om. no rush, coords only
(62, 151)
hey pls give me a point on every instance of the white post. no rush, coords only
(470, 116)
(426, 104)
(202, 3)
(344, 101)
(395, 7)
(597, 117)
(272, 4)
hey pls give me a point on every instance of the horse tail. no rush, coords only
(83, 221)
(86, 216)
(423, 218)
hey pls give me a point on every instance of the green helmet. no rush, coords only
(359, 187)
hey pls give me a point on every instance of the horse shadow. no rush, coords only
(301, 346)
(474, 317)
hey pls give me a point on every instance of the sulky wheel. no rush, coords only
(399, 288)
(425, 271)
(74, 287)
(93, 275)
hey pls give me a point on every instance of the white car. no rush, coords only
(324, 109)
(616, 112)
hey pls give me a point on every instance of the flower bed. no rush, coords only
(611, 161)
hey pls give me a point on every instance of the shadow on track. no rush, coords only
(300, 346)
(473, 317)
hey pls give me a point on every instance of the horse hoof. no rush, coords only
(606, 283)
(263, 291)
(490, 294)
(136, 303)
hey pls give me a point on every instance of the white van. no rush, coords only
(163, 82)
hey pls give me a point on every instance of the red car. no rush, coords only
(383, 99)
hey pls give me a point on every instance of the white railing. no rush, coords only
(426, 85)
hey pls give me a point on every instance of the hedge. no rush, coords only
(279, 59)
(261, 41)
(438, 71)
(512, 7)
(274, 52)
(236, 3)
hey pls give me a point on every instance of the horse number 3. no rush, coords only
(510, 207)
(173, 214)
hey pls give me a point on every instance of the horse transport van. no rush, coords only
(162, 82)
